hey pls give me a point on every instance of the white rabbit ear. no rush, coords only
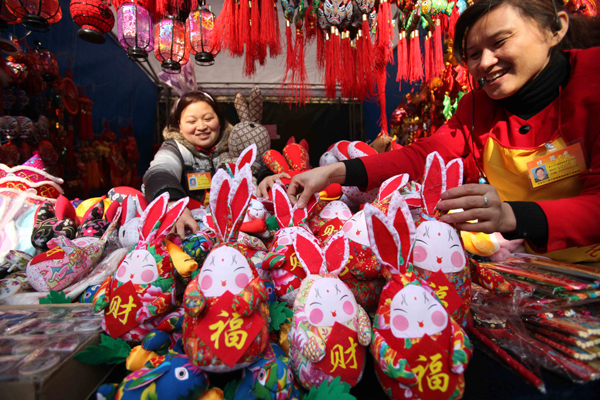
(281, 206)
(360, 149)
(308, 251)
(383, 237)
(392, 185)
(255, 105)
(340, 150)
(171, 216)
(434, 182)
(112, 226)
(129, 209)
(238, 200)
(454, 173)
(149, 222)
(337, 253)
(219, 195)
(402, 220)
(242, 107)
(247, 157)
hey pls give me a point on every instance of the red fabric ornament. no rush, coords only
(452, 22)
(416, 60)
(438, 48)
(94, 17)
(428, 58)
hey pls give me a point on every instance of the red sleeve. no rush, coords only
(448, 140)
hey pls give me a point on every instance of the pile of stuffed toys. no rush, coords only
(293, 297)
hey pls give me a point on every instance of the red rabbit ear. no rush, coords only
(360, 149)
(219, 195)
(434, 182)
(111, 211)
(403, 222)
(454, 173)
(304, 144)
(302, 214)
(64, 209)
(247, 157)
(340, 150)
(392, 185)
(239, 199)
(170, 218)
(291, 140)
(383, 237)
(308, 252)
(275, 162)
(297, 157)
(282, 206)
(149, 222)
(337, 253)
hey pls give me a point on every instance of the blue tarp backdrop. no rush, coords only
(120, 90)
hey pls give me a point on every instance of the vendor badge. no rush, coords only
(556, 165)
(199, 180)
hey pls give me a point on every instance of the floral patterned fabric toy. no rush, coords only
(225, 326)
(285, 270)
(329, 331)
(52, 221)
(145, 285)
(420, 352)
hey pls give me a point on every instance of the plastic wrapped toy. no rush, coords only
(329, 331)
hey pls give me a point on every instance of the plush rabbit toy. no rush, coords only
(438, 246)
(52, 221)
(281, 261)
(227, 296)
(145, 285)
(420, 352)
(329, 331)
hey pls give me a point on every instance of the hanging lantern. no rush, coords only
(134, 24)
(95, 19)
(36, 15)
(7, 16)
(203, 43)
(171, 46)
(48, 63)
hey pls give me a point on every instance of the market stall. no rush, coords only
(152, 244)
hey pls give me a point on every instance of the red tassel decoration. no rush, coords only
(236, 46)
(438, 48)
(345, 74)
(244, 22)
(428, 58)
(275, 49)
(368, 52)
(300, 77)
(416, 59)
(329, 65)
(222, 21)
(310, 24)
(267, 21)
(361, 66)
(452, 22)
(258, 39)
(402, 60)
(384, 30)
(337, 53)
(405, 57)
(381, 78)
(320, 49)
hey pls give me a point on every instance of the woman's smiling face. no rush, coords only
(508, 50)
(199, 125)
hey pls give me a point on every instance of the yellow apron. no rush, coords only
(506, 170)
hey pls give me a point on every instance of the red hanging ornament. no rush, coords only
(330, 90)
(134, 24)
(7, 15)
(48, 62)
(222, 22)
(384, 31)
(300, 77)
(428, 58)
(452, 22)
(416, 59)
(171, 45)
(320, 50)
(36, 15)
(381, 79)
(438, 48)
(203, 41)
(94, 17)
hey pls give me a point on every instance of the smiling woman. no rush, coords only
(539, 75)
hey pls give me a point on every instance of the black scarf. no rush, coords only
(538, 93)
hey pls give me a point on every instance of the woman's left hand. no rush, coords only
(492, 215)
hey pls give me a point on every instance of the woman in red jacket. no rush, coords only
(535, 104)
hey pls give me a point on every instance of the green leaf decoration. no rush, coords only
(163, 283)
(279, 314)
(272, 224)
(336, 390)
(109, 351)
(230, 388)
(56, 298)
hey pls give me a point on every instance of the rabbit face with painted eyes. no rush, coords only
(325, 303)
(146, 276)
(227, 268)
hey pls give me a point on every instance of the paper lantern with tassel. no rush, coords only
(6, 16)
(134, 24)
(95, 19)
(48, 62)
(171, 45)
(36, 15)
(203, 43)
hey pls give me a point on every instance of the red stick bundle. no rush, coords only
(438, 48)
(428, 58)
(416, 59)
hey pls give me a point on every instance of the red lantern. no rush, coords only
(171, 45)
(7, 16)
(95, 19)
(134, 24)
(203, 40)
(36, 15)
(48, 63)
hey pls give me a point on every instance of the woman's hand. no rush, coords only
(495, 216)
(267, 184)
(186, 219)
(314, 181)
